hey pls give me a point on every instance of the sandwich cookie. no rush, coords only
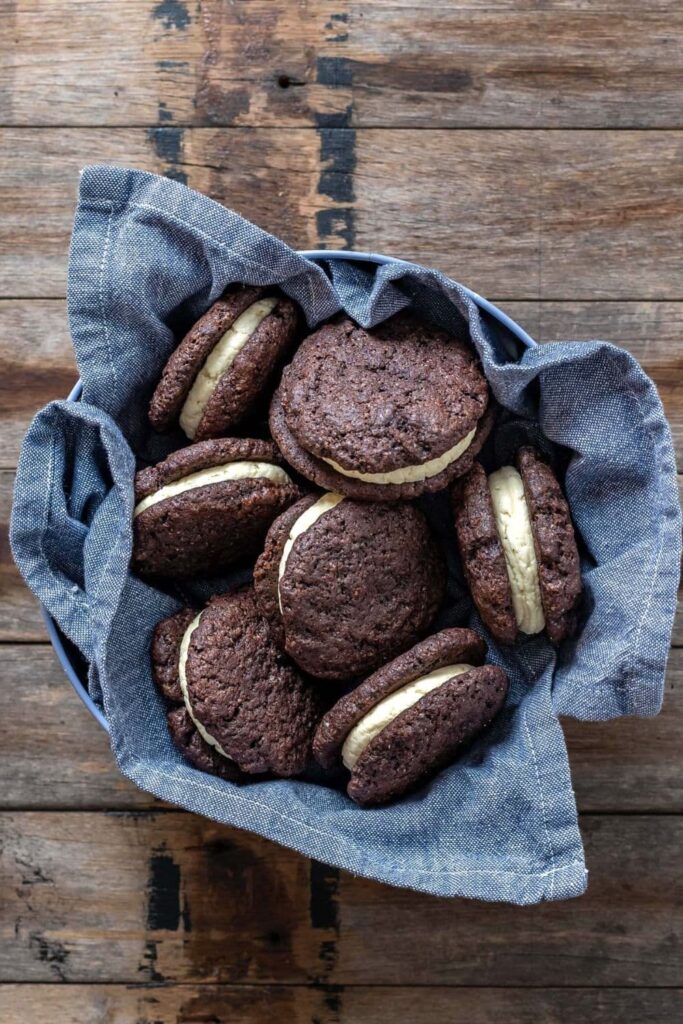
(223, 364)
(383, 414)
(518, 549)
(166, 641)
(345, 585)
(207, 506)
(244, 698)
(408, 720)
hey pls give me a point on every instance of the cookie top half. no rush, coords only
(381, 414)
(346, 585)
(410, 717)
(220, 369)
(245, 698)
(519, 549)
(207, 506)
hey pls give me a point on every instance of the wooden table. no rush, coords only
(532, 149)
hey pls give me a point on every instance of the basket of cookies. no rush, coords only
(328, 544)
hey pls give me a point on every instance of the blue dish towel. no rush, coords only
(148, 256)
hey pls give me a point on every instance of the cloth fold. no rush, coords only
(148, 256)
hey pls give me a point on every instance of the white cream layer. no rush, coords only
(511, 513)
(387, 710)
(222, 356)
(303, 523)
(184, 648)
(247, 470)
(410, 474)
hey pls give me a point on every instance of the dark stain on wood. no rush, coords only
(187, 920)
(336, 181)
(172, 14)
(335, 72)
(338, 163)
(335, 224)
(324, 915)
(163, 890)
(172, 65)
(167, 142)
(332, 1000)
(50, 952)
(148, 967)
(164, 113)
(168, 146)
(324, 906)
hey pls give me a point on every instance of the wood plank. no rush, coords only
(392, 62)
(54, 753)
(170, 897)
(631, 764)
(228, 1004)
(20, 617)
(37, 363)
(513, 214)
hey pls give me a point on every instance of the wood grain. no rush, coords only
(513, 214)
(412, 64)
(228, 1004)
(627, 765)
(143, 896)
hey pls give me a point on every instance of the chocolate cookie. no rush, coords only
(346, 585)
(223, 364)
(518, 549)
(207, 506)
(245, 698)
(384, 414)
(408, 719)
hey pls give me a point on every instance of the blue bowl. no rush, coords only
(76, 673)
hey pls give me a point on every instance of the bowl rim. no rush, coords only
(54, 634)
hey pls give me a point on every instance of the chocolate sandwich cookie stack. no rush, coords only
(239, 706)
(348, 578)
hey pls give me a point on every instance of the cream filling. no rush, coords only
(410, 474)
(252, 470)
(388, 709)
(511, 513)
(182, 660)
(303, 523)
(221, 357)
